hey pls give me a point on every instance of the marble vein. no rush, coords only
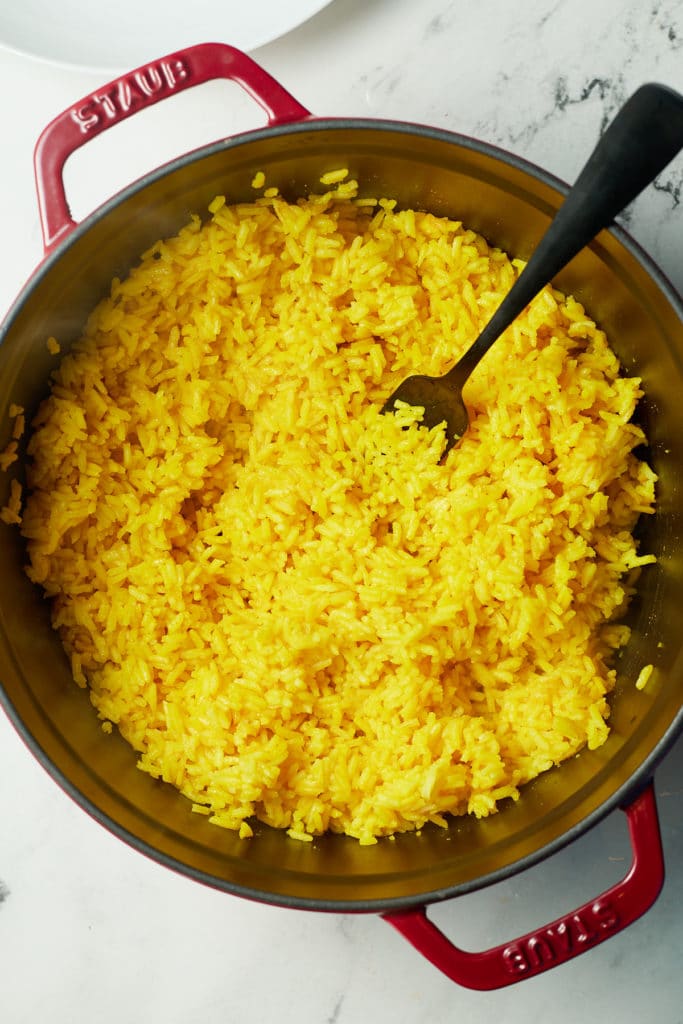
(671, 186)
(334, 1016)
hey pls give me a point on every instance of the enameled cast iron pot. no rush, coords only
(509, 202)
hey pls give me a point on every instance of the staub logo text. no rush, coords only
(126, 94)
(562, 940)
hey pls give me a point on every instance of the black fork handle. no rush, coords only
(644, 137)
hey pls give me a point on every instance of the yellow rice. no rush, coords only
(285, 601)
(644, 676)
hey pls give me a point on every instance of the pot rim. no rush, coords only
(619, 799)
(321, 124)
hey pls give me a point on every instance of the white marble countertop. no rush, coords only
(91, 930)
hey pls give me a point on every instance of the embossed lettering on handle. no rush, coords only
(565, 938)
(562, 940)
(126, 95)
(132, 92)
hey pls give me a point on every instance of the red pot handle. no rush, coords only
(127, 95)
(563, 939)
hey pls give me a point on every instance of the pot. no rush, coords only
(510, 202)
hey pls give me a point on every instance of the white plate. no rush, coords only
(127, 33)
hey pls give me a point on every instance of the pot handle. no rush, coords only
(566, 937)
(132, 92)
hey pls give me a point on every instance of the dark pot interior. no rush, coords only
(510, 203)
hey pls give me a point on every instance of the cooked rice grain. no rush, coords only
(285, 601)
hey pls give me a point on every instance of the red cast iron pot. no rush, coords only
(510, 202)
